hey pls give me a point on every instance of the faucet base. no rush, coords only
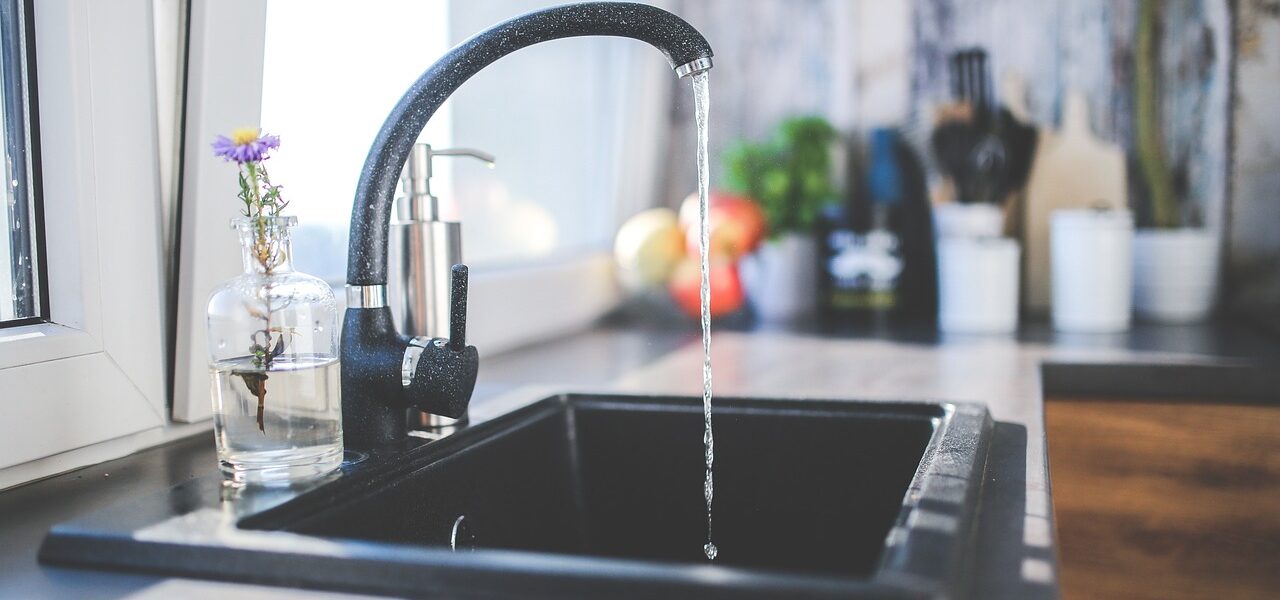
(425, 421)
(433, 427)
(375, 394)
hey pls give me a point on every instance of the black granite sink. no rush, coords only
(598, 496)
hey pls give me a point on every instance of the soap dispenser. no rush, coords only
(424, 249)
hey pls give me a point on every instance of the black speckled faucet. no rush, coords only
(383, 372)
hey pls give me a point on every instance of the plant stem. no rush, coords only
(263, 250)
(1150, 137)
(262, 405)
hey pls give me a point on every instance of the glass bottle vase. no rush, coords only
(273, 352)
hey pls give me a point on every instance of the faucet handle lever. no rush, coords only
(458, 307)
(445, 387)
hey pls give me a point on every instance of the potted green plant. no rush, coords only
(1175, 265)
(790, 177)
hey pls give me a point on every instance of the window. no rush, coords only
(575, 125)
(82, 375)
(554, 114)
(551, 113)
(330, 75)
(89, 348)
(22, 299)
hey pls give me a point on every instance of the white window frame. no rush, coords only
(510, 307)
(224, 91)
(90, 385)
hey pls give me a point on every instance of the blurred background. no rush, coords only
(906, 119)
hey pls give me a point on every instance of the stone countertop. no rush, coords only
(1009, 375)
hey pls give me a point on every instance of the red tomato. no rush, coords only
(736, 224)
(726, 287)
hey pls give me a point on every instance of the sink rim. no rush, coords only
(925, 552)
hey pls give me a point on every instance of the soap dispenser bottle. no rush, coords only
(424, 249)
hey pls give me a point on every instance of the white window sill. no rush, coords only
(32, 344)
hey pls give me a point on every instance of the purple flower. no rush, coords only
(245, 145)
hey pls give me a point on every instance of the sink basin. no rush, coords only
(596, 496)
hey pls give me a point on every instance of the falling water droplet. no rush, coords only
(318, 327)
(222, 344)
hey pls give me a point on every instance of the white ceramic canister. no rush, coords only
(978, 284)
(1092, 270)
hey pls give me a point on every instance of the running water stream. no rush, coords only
(701, 103)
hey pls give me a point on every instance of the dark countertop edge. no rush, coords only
(1217, 381)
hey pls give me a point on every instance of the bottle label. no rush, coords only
(864, 269)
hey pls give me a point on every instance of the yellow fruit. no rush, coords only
(648, 246)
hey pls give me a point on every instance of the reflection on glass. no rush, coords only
(19, 286)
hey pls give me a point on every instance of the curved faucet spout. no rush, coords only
(383, 372)
(683, 46)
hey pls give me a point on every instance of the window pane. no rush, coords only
(551, 114)
(20, 298)
(330, 76)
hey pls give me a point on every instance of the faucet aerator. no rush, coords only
(694, 67)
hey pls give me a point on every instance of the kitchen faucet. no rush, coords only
(384, 372)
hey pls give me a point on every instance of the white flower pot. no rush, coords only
(1175, 274)
(780, 277)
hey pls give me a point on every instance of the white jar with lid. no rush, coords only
(1092, 270)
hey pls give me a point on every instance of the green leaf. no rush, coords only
(789, 175)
